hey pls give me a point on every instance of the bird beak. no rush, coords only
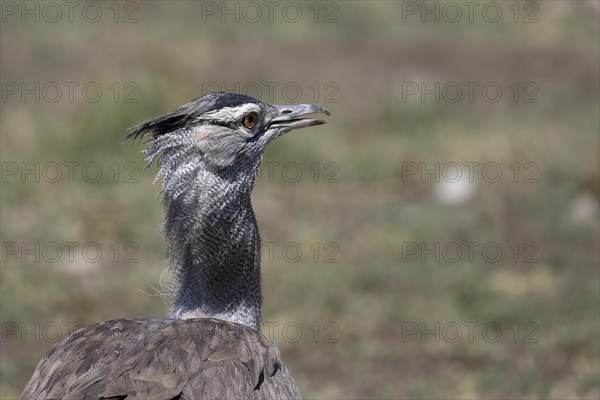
(288, 117)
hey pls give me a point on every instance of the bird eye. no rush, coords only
(250, 120)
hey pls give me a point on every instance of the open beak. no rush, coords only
(289, 117)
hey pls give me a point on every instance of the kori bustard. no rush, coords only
(208, 153)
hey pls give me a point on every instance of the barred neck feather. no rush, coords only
(212, 234)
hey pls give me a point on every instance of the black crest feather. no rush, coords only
(186, 114)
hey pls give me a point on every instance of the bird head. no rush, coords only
(220, 136)
(224, 133)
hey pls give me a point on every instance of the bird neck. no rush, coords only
(214, 250)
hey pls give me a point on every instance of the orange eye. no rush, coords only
(250, 120)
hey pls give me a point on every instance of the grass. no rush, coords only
(354, 313)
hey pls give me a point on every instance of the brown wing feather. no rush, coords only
(162, 358)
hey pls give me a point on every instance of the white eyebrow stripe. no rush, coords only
(232, 114)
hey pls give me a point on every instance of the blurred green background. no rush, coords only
(355, 313)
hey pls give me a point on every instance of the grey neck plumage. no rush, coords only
(213, 239)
